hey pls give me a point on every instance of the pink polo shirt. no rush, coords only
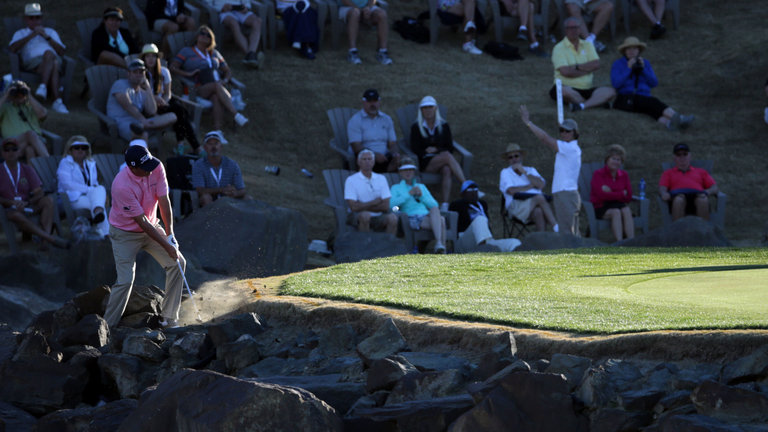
(133, 196)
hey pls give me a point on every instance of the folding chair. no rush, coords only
(512, 226)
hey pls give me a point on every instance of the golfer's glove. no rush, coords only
(172, 241)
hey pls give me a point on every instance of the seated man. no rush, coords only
(473, 227)
(522, 188)
(40, 49)
(132, 104)
(601, 9)
(21, 194)
(367, 195)
(686, 187)
(233, 13)
(216, 175)
(575, 62)
(371, 129)
(355, 11)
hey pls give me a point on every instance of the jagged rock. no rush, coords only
(141, 320)
(32, 345)
(274, 366)
(618, 420)
(66, 316)
(499, 357)
(427, 361)
(573, 367)
(88, 358)
(102, 418)
(143, 347)
(328, 388)
(730, 403)
(190, 349)
(90, 330)
(688, 379)
(385, 373)
(122, 372)
(40, 385)
(420, 415)
(15, 419)
(144, 298)
(672, 401)
(231, 329)
(479, 390)
(240, 353)
(524, 401)
(539, 365)
(353, 246)
(677, 411)
(19, 306)
(753, 367)
(696, 423)
(551, 240)
(9, 341)
(245, 239)
(93, 301)
(109, 417)
(662, 377)
(330, 365)
(184, 402)
(640, 400)
(386, 341)
(428, 385)
(603, 383)
(689, 231)
(337, 340)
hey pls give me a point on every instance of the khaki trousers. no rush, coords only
(567, 205)
(125, 246)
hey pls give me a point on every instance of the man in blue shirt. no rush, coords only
(216, 175)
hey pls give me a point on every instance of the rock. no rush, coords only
(42, 275)
(428, 385)
(122, 375)
(338, 340)
(9, 340)
(185, 401)
(524, 401)
(479, 390)
(353, 246)
(672, 401)
(385, 373)
(141, 320)
(231, 329)
(427, 361)
(696, 423)
(107, 417)
(33, 345)
(386, 341)
(416, 416)
(688, 379)
(40, 385)
(551, 240)
(19, 306)
(662, 377)
(602, 384)
(190, 349)
(614, 419)
(240, 353)
(66, 316)
(331, 365)
(143, 347)
(96, 256)
(499, 357)
(93, 301)
(245, 239)
(88, 358)
(640, 400)
(573, 367)
(753, 367)
(13, 419)
(328, 388)
(273, 366)
(144, 298)
(730, 403)
(689, 231)
(90, 330)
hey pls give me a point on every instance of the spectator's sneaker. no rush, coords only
(307, 52)
(42, 91)
(469, 26)
(59, 106)
(469, 47)
(443, 207)
(383, 57)
(599, 46)
(658, 31)
(686, 120)
(169, 323)
(521, 34)
(240, 119)
(439, 248)
(538, 51)
(576, 107)
(353, 57)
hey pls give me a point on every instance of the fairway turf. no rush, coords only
(585, 291)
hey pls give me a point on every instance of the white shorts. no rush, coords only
(521, 209)
(345, 9)
(240, 17)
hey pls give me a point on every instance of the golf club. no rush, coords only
(189, 291)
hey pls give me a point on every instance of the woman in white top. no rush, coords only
(77, 177)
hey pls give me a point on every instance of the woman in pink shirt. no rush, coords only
(611, 193)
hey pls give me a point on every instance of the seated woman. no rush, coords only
(20, 117)
(432, 142)
(415, 200)
(78, 179)
(110, 43)
(611, 193)
(522, 188)
(160, 82)
(203, 63)
(633, 78)
(300, 25)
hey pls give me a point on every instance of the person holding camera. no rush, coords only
(633, 78)
(20, 116)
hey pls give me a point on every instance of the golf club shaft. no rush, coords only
(189, 291)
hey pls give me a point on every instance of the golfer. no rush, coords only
(137, 191)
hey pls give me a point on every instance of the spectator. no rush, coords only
(686, 187)
(20, 117)
(40, 49)
(367, 195)
(300, 21)
(21, 194)
(160, 82)
(78, 180)
(216, 175)
(464, 13)
(565, 182)
(132, 105)
(633, 78)
(353, 12)
(601, 9)
(168, 17)
(414, 200)
(203, 63)
(371, 129)
(522, 188)
(233, 13)
(473, 226)
(611, 193)
(575, 62)
(524, 10)
(110, 43)
(654, 15)
(432, 142)
(137, 193)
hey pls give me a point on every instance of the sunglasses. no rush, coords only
(514, 156)
(471, 189)
(10, 149)
(681, 154)
(565, 130)
(32, 18)
(79, 147)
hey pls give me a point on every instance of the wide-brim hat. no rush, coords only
(33, 9)
(512, 148)
(631, 42)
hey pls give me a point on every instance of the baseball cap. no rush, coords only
(680, 147)
(136, 64)
(140, 157)
(32, 9)
(215, 134)
(468, 184)
(113, 12)
(371, 95)
(570, 124)
(427, 101)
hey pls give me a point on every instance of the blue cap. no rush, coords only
(468, 184)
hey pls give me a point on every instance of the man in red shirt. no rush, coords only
(686, 187)
(137, 192)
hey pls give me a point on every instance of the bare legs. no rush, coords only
(447, 166)
(49, 73)
(221, 99)
(622, 224)
(541, 213)
(250, 44)
(364, 222)
(377, 17)
(600, 96)
(602, 15)
(436, 222)
(31, 145)
(701, 203)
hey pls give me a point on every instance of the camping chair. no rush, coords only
(561, 12)
(46, 168)
(512, 226)
(261, 9)
(276, 23)
(108, 165)
(338, 25)
(339, 117)
(334, 181)
(716, 203)
(672, 7)
(100, 79)
(640, 211)
(406, 116)
(500, 22)
(67, 70)
(148, 35)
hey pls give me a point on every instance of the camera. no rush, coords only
(638, 66)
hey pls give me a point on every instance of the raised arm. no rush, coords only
(544, 137)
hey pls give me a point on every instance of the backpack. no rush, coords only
(502, 51)
(412, 29)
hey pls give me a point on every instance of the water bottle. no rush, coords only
(642, 188)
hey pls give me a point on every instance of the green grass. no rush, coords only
(585, 291)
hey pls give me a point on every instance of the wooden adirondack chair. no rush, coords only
(672, 7)
(640, 210)
(46, 168)
(334, 181)
(149, 35)
(339, 117)
(100, 79)
(716, 203)
(222, 32)
(108, 165)
(406, 116)
(85, 28)
(67, 70)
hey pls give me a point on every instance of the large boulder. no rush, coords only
(207, 401)
(550, 240)
(353, 246)
(385, 342)
(687, 231)
(40, 384)
(730, 403)
(245, 238)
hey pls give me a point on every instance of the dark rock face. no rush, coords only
(687, 231)
(353, 246)
(551, 240)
